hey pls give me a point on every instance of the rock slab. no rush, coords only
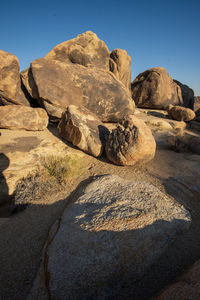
(109, 237)
(60, 84)
(130, 143)
(83, 129)
(22, 117)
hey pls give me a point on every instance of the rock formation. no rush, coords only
(22, 117)
(120, 65)
(187, 94)
(10, 83)
(108, 238)
(130, 143)
(57, 85)
(154, 88)
(181, 113)
(86, 49)
(83, 129)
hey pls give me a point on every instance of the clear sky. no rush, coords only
(154, 32)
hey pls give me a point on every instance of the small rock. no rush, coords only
(130, 143)
(22, 117)
(181, 113)
(83, 129)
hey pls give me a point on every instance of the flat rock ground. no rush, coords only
(23, 235)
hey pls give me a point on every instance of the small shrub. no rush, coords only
(53, 173)
(61, 168)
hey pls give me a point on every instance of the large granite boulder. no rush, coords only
(187, 94)
(83, 129)
(56, 85)
(154, 88)
(10, 83)
(186, 287)
(181, 113)
(120, 65)
(22, 117)
(130, 143)
(107, 239)
(86, 49)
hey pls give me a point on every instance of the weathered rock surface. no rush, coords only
(59, 84)
(187, 94)
(186, 287)
(154, 88)
(108, 238)
(130, 143)
(86, 49)
(120, 65)
(83, 129)
(10, 83)
(181, 113)
(22, 117)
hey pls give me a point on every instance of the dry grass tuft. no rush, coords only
(50, 177)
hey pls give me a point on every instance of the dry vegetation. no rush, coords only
(51, 177)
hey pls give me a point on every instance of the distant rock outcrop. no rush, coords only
(83, 129)
(187, 94)
(181, 113)
(56, 85)
(107, 238)
(86, 49)
(154, 88)
(120, 65)
(10, 84)
(130, 143)
(22, 117)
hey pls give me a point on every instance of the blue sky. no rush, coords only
(154, 33)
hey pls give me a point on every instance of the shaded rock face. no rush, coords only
(197, 113)
(154, 88)
(186, 287)
(83, 129)
(130, 143)
(180, 113)
(10, 83)
(86, 49)
(108, 238)
(120, 65)
(187, 95)
(57, 85)
(22, 117)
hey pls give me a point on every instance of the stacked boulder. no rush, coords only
(155, 88)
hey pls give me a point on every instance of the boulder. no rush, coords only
(130, 143)
(107, 238)
(154, 88)
(181, 113)
(86, 49)
(186, 287)
(10, 83)
(60, 84)
(120, 65)
(22, 117)
(83, 129)
(187, 95)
